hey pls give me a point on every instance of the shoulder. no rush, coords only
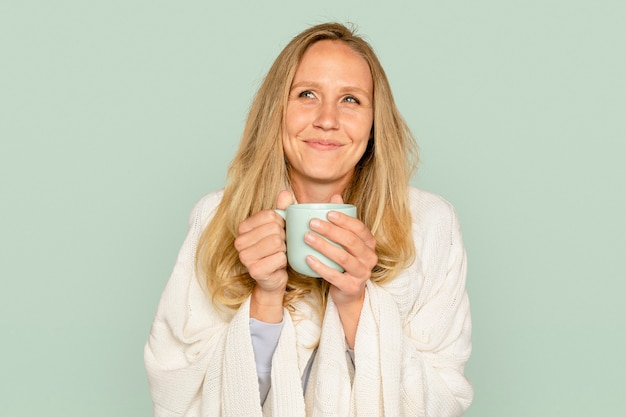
(436, 236)
(433, 218)
(428, 208)
(205, 208)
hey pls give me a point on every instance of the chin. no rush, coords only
(325, 177)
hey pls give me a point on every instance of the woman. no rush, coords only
(239, 333)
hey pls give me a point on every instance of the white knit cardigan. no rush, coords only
(412, 342)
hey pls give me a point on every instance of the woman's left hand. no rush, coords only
(357, 257)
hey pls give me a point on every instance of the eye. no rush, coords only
(306, 94)
(352, 99)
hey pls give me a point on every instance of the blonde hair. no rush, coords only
(259, 171)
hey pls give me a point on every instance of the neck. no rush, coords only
(316, 193)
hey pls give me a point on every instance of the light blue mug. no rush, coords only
(297, 218)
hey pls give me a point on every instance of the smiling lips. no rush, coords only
(323, 145)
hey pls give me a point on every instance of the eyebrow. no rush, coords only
(316, 85)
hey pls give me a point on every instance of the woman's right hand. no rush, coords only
(262, 250)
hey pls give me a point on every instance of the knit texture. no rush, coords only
(411, 347)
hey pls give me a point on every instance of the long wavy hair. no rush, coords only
(259, 171)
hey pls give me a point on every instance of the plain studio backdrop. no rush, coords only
(117, 116)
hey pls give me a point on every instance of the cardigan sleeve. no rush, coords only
(194, 354)
(416, 328)
(436, 323)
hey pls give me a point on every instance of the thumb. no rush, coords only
(336, 198)
(284, 199)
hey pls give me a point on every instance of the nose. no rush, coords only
(327, 117)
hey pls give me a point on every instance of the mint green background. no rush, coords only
(116, 116)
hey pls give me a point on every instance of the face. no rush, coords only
(329, 116)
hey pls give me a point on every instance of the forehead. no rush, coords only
(333, 58)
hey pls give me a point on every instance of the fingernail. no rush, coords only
(314, 224)
(309, 237)
(333, 215)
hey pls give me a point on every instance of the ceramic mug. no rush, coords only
(297, 218)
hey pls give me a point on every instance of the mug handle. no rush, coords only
(281, 213)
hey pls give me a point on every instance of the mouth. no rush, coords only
(323, 144)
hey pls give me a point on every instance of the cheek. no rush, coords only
(361, 129)
(288, 138)
(294, 121)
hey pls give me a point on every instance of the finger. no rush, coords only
(265, 267)
(264, 248)
(329, 274)
(356, 262)
(345, 222)
(336, 198)
(285, 198)
(358, 248)
(252, 237)
(345, 283)
(259, 219)
(347, 231)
